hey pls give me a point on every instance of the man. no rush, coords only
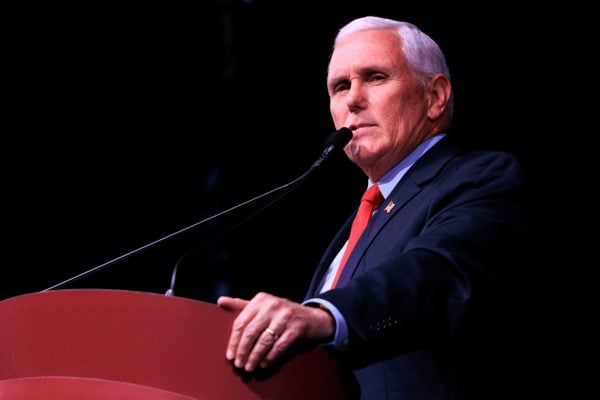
(415, 307)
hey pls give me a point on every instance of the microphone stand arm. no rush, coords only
(287, 188)
(337, 139)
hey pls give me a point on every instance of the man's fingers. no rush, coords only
(263, 345)
(239, 325)
(276, 351)
(252, 336)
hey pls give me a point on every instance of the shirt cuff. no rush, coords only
(340, 338)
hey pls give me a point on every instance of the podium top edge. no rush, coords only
(98, 291)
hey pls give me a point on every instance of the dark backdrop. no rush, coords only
(125, 121)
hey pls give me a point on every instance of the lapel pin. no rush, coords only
(388, 208)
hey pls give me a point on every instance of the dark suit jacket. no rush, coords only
(427, 292)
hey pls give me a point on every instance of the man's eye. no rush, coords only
(377, 77)
(341, 86)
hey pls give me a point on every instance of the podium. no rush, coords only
(97, 344)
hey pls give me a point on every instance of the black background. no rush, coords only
(126, 121)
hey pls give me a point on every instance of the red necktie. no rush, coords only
(370, 200)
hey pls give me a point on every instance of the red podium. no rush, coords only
(97, 344)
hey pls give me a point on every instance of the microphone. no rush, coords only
(336, 140)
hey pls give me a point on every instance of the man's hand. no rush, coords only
(268, 325)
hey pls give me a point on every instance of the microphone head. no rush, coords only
(339, 138)
(336, 140)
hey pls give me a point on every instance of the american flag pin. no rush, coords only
(388, 208)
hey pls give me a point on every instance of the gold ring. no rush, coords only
(272, 333)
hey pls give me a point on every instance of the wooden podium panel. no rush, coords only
(166, 343)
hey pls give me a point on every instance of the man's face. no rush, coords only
(373, 92)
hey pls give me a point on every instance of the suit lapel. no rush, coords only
(404, 191)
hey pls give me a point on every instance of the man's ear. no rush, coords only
(439, 89)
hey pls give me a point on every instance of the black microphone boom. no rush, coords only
(336, 140)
